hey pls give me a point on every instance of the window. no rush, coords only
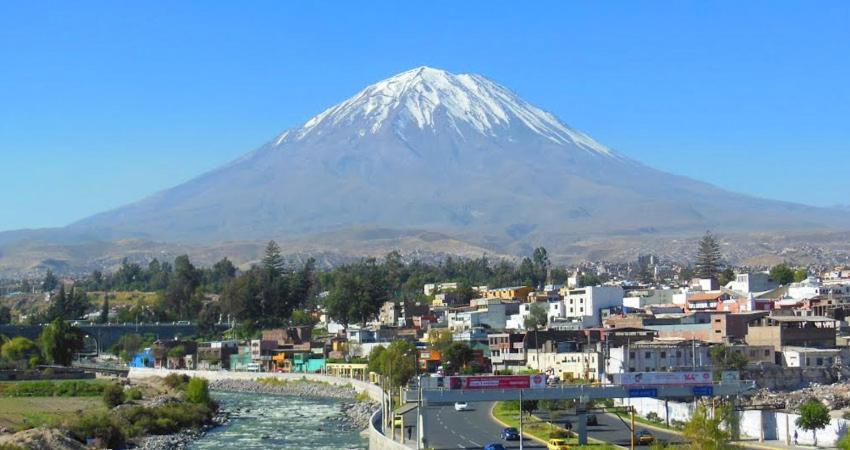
(752, 353)
(631, 369)
(647, 355)
(767, 352)
(663, 369)
(678, 353)
(663, 354)
(819, 361)
(631, 355)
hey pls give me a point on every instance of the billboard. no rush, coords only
(657, 378)
(498, 382)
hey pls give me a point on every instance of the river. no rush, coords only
(281, 422)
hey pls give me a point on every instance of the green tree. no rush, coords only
(782, 274)
(357, 294)
(113, 395)
(708, 257)
(800, 275)
(104, 309)
(726, 276)
(21, 351)
(5, 315)
(198, 391)
(537, 317)
(180, 300)
(272, 260)
(440, 338)
(50, 281)
(376, 359)
(541, 264)
(456, 356)
(59, 341)
(814, 415)
(705, 432)
(725, 358)
(398, 362)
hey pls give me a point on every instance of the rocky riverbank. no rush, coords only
(182, 440)
(354, 413)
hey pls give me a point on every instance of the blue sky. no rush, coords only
(103, 103)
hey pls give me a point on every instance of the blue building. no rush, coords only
(144, 358)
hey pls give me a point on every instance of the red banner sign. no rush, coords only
(498, 382)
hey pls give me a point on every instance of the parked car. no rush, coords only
(461, 406)
(644, 437)
(494, 446)
(398, 420)
(568, 425)
(557, 444)
(510, 434)
(592, 420)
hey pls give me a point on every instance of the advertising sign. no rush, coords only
(645, 392)
(703, 391)
(499, 382)
(660, 378)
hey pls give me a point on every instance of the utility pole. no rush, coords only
(633, 427)
(520, 419)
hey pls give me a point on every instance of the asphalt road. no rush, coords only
(447, 429)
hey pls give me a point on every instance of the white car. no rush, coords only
(461, 406)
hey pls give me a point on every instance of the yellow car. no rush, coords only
(644, 438)
(398, 421)
(557, 444)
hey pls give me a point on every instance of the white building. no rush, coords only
(585, 305)
(493, 315)
(807, 357)
(658, 356)
(752, 283)
(640, 299)
(810, 288)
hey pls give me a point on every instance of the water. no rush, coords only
(275, 421)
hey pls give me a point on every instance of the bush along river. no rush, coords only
(291, 416)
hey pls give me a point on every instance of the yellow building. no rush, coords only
(509, 293)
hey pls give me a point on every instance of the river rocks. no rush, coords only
(181, 440)
(352, 415)
(294, 388)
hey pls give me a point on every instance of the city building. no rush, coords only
(784, 331)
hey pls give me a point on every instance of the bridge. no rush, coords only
(106, 335)
(427, 392)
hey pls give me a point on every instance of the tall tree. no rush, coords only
(457, 356)
(272, 260)
(50, 281)
(180, 300)
(708, 257)
(104, 309)
(5, 315)
(358, 293)
(541, 264)
(814, 415)
(537, 317)
(59, 341)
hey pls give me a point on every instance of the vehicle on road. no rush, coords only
(568, 425)
(557, 444)
(398, 420)
(461, 406)
(510, 434)
(592, 420)
(644, 437)
(494, 446)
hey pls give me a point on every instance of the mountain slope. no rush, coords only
(431, 150)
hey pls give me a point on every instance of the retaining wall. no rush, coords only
(777, 425)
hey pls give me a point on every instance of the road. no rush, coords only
(447, 429)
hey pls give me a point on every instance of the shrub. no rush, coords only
(113, 395)
(133, 394)
(559, 434)
(653, 416)
(198, 391)
(176, 381)
(99, 425)
(70, 388)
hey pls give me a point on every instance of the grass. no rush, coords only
(18, 413)
(638, 419)
(540, 429)
(52, 388)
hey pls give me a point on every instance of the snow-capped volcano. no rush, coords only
(428, 98)
(431, 150)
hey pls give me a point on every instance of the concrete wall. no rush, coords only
(377, 440)
(777, 425)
